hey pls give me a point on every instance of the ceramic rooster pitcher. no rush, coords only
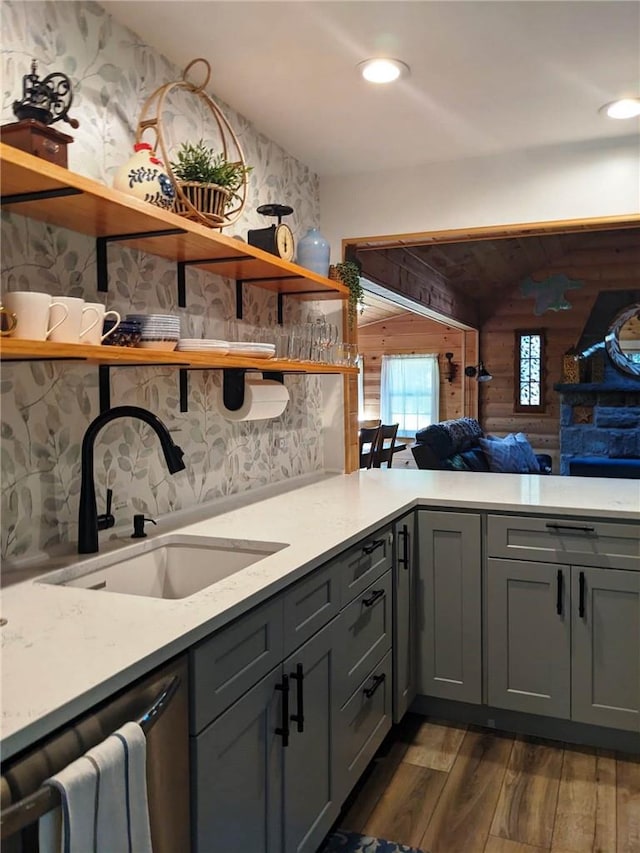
(144, 177)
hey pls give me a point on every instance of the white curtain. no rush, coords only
(409, 392)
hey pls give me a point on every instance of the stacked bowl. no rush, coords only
(158, 331)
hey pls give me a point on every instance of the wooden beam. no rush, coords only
(406, 275)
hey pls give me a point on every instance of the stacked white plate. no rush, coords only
(159, 331)
(203, 345)
(252, 350)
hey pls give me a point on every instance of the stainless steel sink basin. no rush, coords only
(175, 566)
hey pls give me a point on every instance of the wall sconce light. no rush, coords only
(480, 372)
(452, 368)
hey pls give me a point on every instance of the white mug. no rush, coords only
(91, 332)
(68, 331)
(31, 310)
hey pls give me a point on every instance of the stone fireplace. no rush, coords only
(600, 421)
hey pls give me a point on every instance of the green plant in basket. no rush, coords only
(349, 274)
(200, 164)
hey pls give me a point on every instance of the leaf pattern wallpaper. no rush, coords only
(46, 406)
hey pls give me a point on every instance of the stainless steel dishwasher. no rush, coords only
(160, 703)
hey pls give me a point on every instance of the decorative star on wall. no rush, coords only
(549, 294)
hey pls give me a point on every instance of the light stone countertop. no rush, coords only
(65, 649)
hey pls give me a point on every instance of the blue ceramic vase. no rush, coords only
(313, 252)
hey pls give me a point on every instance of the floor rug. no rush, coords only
(353, 842)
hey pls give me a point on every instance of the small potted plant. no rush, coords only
(206, 182)
(348, 272)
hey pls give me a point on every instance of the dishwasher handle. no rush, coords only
(32, 807)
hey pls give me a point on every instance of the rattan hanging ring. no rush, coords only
(204, 203)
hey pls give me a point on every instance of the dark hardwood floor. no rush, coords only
(446, 788)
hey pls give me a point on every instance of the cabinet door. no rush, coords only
(237, 767)
(606, 647)
(529, 637)
(449, 606)
(404, 626)
(310, 801)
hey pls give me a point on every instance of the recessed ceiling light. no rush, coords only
(625, 108)
(383, 70)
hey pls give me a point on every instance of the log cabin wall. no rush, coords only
(411, 333)
(611, 262)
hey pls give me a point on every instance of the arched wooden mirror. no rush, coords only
(623, 341)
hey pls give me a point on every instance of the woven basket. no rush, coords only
(209, 200)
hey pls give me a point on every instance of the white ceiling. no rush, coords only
(486, 77)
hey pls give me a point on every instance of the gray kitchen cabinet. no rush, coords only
(263, 770)
(529, 637)
(271, 759)
(237, 770)
(404, 613)
(564, 641)
(449, 659)
(605, 658)
(310, 801)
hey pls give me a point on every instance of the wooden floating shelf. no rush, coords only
(21, 350)
(92, 208)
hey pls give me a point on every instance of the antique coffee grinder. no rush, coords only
(43, 103)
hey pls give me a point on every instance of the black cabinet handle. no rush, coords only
(581, 610)
(369, 549)
(298, 677)
(377, 681)
(559, 593)
(575, 528)
(284, 728)
(404, 560)
(375, 595)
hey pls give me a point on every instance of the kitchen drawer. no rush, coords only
(366, 561)
(310, 604)
(227, 664)
(560, 540)
(365, 635)
(363, 723)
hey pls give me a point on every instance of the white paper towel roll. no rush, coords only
(263, 398)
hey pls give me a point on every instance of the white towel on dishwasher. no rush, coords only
(104, 799)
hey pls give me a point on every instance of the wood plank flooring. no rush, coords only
(446, 788)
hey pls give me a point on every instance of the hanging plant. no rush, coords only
(349, 274)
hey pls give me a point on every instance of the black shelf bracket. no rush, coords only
(40, 195)
(280, 309)
(104, 379)
(103, 242)
(239, 284)
(182, 265)
(184, 389)
(104, 387)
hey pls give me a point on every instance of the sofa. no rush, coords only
(461, 445)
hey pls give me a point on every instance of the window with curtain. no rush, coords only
(409, 392)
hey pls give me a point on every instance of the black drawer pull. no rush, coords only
(284, 728)
(581, 609)
(298, 677)
(404, 560)
(559, 594)
(375, 595)
(377, 681)
(369, 549)
(574, 528)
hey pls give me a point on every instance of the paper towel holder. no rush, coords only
(233, 385)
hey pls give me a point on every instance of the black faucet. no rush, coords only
(88, 514)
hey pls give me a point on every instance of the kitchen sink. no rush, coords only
(171, 567)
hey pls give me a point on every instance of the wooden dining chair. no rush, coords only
(383, 451)
(367, 441)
